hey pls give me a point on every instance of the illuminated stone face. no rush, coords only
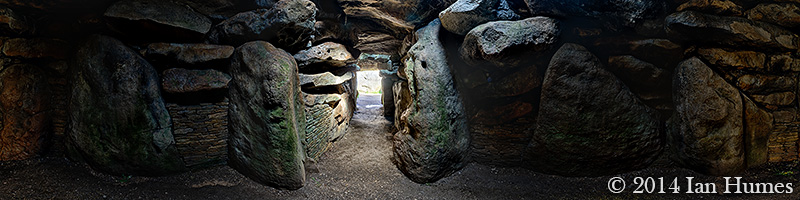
(369, 82)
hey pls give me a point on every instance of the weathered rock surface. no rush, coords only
(706, 130)
(757, 127)
(514, 84)
(663, 53)
(179, 18)
(258, 3)
(648, 82)
(730, 31)
(179, 80)
(328, 53)
(267, 117)
(327, 118)
(36, 48)
(785, 14)
(395, 16)
(25, 117)
(201, 132)
(402, 100)
(376, 43)
(625, 12)
(12, 23)
(58, 6)
(765, 84)
(188, 53)
(503, 113)
(324, 79)
(589, 123)
(368, 61)
(718, 7)
(464, 15)
(388, 78)
(433, 137)
(776, 99)
(784, 63)
(117, 120)
(507, 43)
(216, 9)
(733, 59)
(289, 24)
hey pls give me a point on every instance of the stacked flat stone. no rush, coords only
(327, 77)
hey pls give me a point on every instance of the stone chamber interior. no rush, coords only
(274, 89)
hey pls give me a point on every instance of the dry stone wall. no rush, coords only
(201, 132)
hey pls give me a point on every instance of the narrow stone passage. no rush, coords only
(358, 166)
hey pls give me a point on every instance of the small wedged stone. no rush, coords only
(784, 63)
(734, 59)
(776, 99)
(765, 84)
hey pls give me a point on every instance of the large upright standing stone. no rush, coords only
(267, 117)
(434, 138)
(706, 131)
(117, 119)
(589, 122)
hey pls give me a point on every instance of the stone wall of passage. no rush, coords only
(201, 132)
(783, 140)
(500, 144)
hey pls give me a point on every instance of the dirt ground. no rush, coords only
(357, 167)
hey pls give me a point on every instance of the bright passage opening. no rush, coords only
(369, 89)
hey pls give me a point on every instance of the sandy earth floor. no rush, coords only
(357, 167)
